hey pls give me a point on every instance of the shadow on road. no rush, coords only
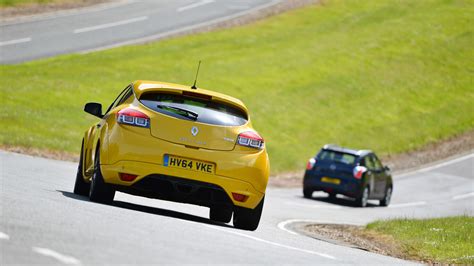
(150, 210)
(347, 202)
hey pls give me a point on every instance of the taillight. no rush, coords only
(129, 116)
(310, 164)
(127, 177)
(359, 171)
(239, 197)
(250, 139)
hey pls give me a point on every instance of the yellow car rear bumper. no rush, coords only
(143, 170)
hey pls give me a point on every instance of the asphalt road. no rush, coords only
(42, 221)
(122, 22)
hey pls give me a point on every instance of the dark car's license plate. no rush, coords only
(188, 164)
(335, 181)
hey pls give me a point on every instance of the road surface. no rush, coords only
(105, 26)
(42, 221)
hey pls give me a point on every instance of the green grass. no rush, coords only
(391, 76)
(446, 240)
(7, 3)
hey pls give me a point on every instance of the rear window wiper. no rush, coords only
(180, 111)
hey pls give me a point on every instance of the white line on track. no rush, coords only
(181, 30)
(110, 25)
(273, 243)
(56, 255)
(11, 42)
(463, 196)
(409, 204)
(197, 4)
(429, 168)
(64, 13)
(315, 206)
(4, 236)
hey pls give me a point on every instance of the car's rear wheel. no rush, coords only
(361, 201)
(99, 190)
(81, 187)
(220, 214)
(386, 199)
(248, 219)
(307, 193)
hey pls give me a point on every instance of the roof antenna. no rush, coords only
(195, 80)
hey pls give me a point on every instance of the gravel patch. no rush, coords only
(357, 237)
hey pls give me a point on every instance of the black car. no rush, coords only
(357, 174)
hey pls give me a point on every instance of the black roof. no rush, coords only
(334, 147)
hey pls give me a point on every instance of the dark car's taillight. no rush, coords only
(250, 139)
(132, 117)
(359, 171)
(310, 164)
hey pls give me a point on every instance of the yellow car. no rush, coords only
(177, 143)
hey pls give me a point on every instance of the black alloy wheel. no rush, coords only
(361, 201)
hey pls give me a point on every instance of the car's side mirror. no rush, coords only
(94, 109)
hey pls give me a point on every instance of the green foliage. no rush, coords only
(446, 240)
(5, 3)
(388, 75)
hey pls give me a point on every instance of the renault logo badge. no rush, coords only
(194, 131)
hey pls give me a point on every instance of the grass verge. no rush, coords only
(388, 75)
(446, 240)
(7, 3)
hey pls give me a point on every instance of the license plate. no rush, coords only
(188, 164)
(331, 180)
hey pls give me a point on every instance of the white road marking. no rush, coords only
(4, 236)
(463, 196)
(197, 4)
(273, 243)
(315, 206)
(63, 13)
(181, 30)
(110, 25)
(409, 204)
(429, 168)
(11, 42)
(241, 7)
(58, 256)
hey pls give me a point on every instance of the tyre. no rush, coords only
(99, 191)
(388, 196)
(361, 201)
(307, 193)
(248, 219)
(220, 214)
(81, 187)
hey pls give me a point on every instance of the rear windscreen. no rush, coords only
(338, 157)
(200, 108)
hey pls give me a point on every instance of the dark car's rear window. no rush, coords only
(188, 106)
(338, 157)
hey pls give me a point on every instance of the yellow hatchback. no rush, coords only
(177, 143)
